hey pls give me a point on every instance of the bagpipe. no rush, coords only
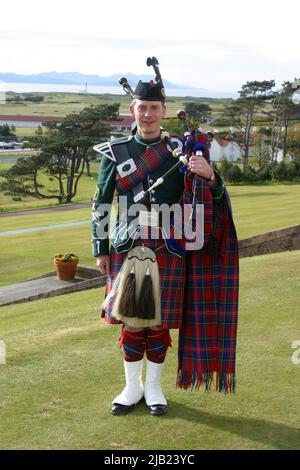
(136, 290)
(193, 142)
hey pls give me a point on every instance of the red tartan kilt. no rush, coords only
(172, 280)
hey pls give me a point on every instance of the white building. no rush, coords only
(221, 149)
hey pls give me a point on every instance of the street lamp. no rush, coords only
(296, 93)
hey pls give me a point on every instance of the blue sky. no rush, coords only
(217, 45)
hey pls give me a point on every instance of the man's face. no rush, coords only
(148, 116)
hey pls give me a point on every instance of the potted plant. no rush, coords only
(66, 265)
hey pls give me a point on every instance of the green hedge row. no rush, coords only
(266, 171)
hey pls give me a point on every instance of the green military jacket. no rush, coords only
(167, 193)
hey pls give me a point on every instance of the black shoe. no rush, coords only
(157, 410)
(117, 409)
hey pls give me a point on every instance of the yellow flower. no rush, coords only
(66, 257)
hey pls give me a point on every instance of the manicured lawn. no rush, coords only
(29, 255)
(44, 219)
(64, 367)
(60, 104)
(86, 189)
(256, 209)
(259, 209)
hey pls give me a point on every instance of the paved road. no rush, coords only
(12, 159)
(44, 228)
(19, 150)
(44, 210)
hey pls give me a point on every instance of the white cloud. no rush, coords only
(217, 46)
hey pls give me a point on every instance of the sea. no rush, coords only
(115, 90)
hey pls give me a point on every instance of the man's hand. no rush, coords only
(103, 263)
(200, 167)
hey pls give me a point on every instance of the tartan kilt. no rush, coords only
(172, 280)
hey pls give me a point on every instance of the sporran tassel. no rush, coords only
(128, 305)
(146, 303)
(138, 295)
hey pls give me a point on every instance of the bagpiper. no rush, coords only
(154, 282)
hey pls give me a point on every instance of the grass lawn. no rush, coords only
(60, 104)
(257, 209)
(25, 131)
(64, 367)
(30, 255)
(44, 219)
(86, 189)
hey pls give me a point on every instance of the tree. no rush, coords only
(39, 130)
(281, 114)
(33, 98)
(172, 125)
(293, 142)
(285, 109)
(233, 113)
(63, 154)
(6, 132)
(197, 111)
(253, 95)
(262, 141)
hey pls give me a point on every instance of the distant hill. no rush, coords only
(76, 78)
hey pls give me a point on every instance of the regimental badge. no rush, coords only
(178, 142)
(126, 168)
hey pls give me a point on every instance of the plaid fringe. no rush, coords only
(225, 382)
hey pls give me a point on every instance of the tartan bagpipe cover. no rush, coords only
(207, 337)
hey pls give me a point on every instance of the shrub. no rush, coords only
(291, 170)
(234, 174)
(224, 168)
(279, 171)
(249, 175)
(265, 173)
(297, 165)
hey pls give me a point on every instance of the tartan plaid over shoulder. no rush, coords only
(148, 162)
(207, 337)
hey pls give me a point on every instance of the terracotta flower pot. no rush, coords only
(66, 270)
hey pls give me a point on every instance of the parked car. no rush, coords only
(4, 145)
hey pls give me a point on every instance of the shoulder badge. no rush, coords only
(106, 148)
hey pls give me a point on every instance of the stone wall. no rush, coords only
(48, 285)
(271, 242)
